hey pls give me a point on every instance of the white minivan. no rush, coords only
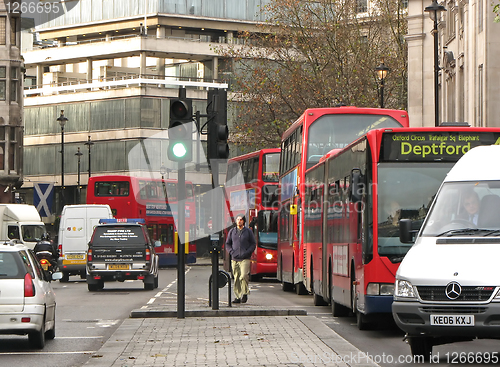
(448, 285)
(75, 229)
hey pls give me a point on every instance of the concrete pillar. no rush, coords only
(143, 64)
(215, 66)
(39, 75)
(89, 70)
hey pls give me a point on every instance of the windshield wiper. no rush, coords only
(452, 232)
(495, 232)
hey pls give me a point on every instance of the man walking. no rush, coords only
(240, 244)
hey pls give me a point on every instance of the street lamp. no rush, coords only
(434, 10)
(62, 121)
(79, 154)
(89, 144)
(382, 71)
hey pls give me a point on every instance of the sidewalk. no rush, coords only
(245, 335)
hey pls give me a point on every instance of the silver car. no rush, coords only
(27, 300)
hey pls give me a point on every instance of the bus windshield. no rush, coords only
(267, 225)
(396, 181)
(337, 130)
(270, 167)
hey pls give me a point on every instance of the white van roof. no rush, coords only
(19, 212)
(478, 164)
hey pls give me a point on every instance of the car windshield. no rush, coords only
(465, 208)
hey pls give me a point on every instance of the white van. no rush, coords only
(75, 229)
(21, 222)
(448, 285)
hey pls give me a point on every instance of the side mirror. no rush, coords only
(57, 275)
(356, 191)
(405, 231)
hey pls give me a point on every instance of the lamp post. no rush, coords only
(62, 121)
(79, 154)
(89, 144)
(382, 71)
(434, 10)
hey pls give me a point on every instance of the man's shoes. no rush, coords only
(244, 299)
(237, 300)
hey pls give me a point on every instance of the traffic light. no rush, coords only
(218, 133)
(180, 135)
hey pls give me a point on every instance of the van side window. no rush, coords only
(13, 232)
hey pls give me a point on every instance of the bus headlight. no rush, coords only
(269, 256)
(404, 289)
(380, 289)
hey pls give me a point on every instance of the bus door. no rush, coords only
(296, 234)
(166, 237)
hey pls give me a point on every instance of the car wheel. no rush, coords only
(92, 287)
(149, 286)
(37, 338)
(51, 334)
(65, 277)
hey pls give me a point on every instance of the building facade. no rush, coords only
(113, 67)
(11, 104)
(468, 54)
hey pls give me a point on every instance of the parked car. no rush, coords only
(27, 300)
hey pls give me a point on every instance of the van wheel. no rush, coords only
(421, 346)
(65, 277)
(149, 286)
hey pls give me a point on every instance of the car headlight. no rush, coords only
(404, 289)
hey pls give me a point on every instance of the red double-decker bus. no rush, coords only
(354, 199)
(316, 132)
(154, 200)
(252, 190)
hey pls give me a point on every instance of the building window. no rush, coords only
(480, 96)
(3, 21)
(362, 6)
(14, 83)
(480, 15)
(3, 82)
(13, 27)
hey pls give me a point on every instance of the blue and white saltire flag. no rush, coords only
(43, 197)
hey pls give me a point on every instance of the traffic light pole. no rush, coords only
(181, 230)
(216, 219)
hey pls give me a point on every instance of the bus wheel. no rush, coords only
(338, 310)
(420, 346)
(285, 286)
(319, 300)
(361, 321)
(255, 278)
(300, 289)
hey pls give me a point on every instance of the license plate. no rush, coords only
(452, 320)
(75, 257)
(118, 267)
(45, 267)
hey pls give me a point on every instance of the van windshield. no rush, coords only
(32, 232)
(465, 208)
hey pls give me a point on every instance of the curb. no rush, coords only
(144, 314)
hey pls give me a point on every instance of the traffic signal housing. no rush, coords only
(180, 135)
(217, 131)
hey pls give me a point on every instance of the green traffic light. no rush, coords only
(179, 150)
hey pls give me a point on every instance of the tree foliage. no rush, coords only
(314, 54)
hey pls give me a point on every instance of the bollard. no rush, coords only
(223, 279)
